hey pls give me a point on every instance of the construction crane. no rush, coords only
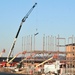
(38, 68)
(54, 56)
(28, 57)
(23, 20)
(3, 51)
(24, 52)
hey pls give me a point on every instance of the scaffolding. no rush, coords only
(50, 45)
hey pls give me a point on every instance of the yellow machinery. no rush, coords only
(55, 56)
(24, 52)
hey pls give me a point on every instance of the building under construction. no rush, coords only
(62, 47)
(56, 54)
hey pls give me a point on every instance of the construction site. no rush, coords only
(55, 57)
(59, 46)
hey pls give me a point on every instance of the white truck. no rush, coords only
(52, 68)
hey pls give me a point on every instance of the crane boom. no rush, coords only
(54, 56)
(24, 52)
(23, 20)
(28, 57)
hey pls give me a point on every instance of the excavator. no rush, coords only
(23, 20)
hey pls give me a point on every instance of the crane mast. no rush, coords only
(23, 20)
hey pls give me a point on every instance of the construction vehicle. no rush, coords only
(53, 68)
(55, 56)
(28, 57)
(43, 66)
(10, 61)
(3, 51)
(23, 20)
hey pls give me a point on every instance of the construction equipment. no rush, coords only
(24, 52)
(3, 51)
(39, 66)
(23, 20)
(53, 68)
(55, 56)
(28, 57)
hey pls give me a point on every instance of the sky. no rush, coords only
(49, 17)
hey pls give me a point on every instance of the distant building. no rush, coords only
(70, 56)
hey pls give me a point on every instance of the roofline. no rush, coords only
(73, 44)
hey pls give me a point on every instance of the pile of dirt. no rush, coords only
(5, 70)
